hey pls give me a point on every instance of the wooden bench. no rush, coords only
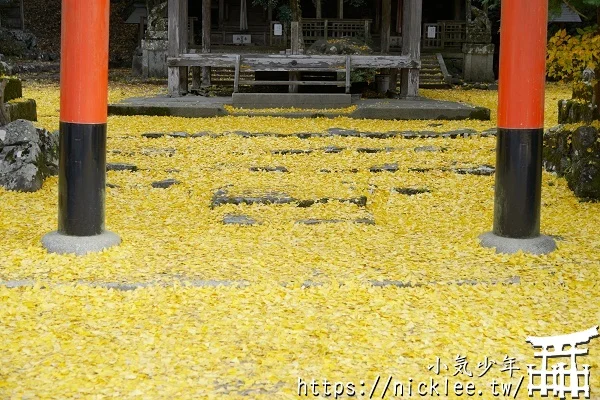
(291, 63)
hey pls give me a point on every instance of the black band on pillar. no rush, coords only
(81, 179)
(518, 183)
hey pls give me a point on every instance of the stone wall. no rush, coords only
(575, 154)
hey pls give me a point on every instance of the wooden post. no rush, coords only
(319, 12)
(295, 48)
(177, 34)
(221, 14)
(411, 45)
(457, 10)
(340, 9)
(206, 24)
(386, 22)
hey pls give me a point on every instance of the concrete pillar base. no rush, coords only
(59, 243)
(539, 245)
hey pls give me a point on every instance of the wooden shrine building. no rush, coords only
(199, 37)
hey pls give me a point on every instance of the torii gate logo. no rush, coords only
(562, 378)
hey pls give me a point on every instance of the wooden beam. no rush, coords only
(411, 45)
(280, 62)
(319, 9)
(386, 22)
(468, 10)
(340, 9)
(206, 25)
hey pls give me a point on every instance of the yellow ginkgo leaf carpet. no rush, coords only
(280, 258)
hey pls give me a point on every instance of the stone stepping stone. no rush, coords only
(153, 135)
(459, 133)
(429, 149)
(290, 152)
(333, 149)
(489, 133)
(178, 135)
(121, 167)
(421, 170)
(483, 170)
(222, 197)
(202, 134)
(315, 221)
(343, 132)
(393, 167)
(112, 186)
(269, 169)
(231, 219)
(359, 201)
(151, 152)
(165, 184)
(412, 191)
(172, 171)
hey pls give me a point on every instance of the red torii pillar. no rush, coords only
(83, 118)
(523, 39)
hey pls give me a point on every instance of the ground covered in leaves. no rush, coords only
(369, 265)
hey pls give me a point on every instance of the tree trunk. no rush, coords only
(3, 114)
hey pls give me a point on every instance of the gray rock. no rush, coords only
(5, 69)
(201, 135)
(385, 168)
(154, 152)
(222, 197)
(121, 167)
(27, 156)
(238, 220)
(165, 184)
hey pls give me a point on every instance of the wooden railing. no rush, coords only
(448, 35)
(315, 29)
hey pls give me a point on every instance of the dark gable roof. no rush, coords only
(567, 14)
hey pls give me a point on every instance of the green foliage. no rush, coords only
(569, 55)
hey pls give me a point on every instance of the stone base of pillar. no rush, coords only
(479, 62)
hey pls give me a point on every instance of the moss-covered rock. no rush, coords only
(13, 90)
(576, 156)
(22, 109)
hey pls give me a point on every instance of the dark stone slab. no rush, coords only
(269, 169)
(222, 197)
(238, 220)
(202, 134)
(165, 184)
(385, 168)
(412, 191)
(121, 167)
(153, 135)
